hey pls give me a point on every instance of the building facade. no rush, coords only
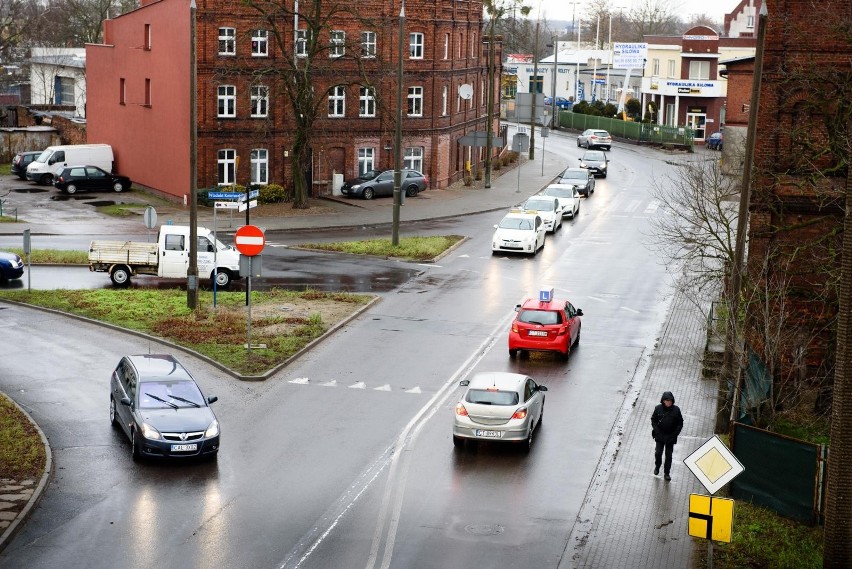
(58, 77)
(246, 109)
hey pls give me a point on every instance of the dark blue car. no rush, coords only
(714, 142)
(11, 267)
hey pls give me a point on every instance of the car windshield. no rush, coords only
(539, 205)
(516, 223)
(569, 175)
(44, 156)
(542, 317)
(169, 395)
(489, 397)
(595, 155)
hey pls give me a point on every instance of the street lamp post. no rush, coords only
(553, 122)
(397, 174)
(490, 102)
(192, 270)
(577, 78)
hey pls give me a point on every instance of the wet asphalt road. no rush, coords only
(345, 458)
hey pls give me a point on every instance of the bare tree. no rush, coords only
(652, 18)
(81, 20)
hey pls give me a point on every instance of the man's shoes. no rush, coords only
(667, 477)
(656, 470)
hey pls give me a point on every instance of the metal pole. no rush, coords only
(192, 270)
(215, 256)
(397, 174)
(577, 78)
(595, 72)
(490, 102)
(534, 93)
(609, 66)
(553, 121)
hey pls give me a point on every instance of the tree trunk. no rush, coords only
(301, 170)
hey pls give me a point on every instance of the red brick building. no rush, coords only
(138, 90)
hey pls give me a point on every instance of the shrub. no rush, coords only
(468, 181)
(497, 164)
(273, 193)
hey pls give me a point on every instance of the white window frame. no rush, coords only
(227, 41)
(367, 102)
(366, 159)
(337, 43)
(416, 45)
(413, 159)
(226, 101)
(260, 43)
(368, 44)
(301, 48)
(415, 101)
(655, 67)
(259, 166)
(446, 46)
(259, 101)
(671, 74)
(699, 69)
(337, 101)
(226, 167)
(445, 92)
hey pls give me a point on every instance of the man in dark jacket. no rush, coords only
(666, 422)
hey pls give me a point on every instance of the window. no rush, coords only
(750, 21)
(368, 44)
(174, 242)
(259, 43)
(337, 101)
(671, 68)
(461, 45)
(510, 87)
(227, 165)
(301, 43)
(337, 47)
(537, 84)
(122, 91)
(259, 166)
(444, 95)
(227, 41)
(473, 45)
(415, 45)
(64, 87)
(260, 101)
(147, 92)
(446, 46)
(146, 41)
(227, 101)
(415, 101)
(655, 67)
(699, 70)
(367, 102)
(413, 159)
(366, 160)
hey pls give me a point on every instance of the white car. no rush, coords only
(519, 232)
(549, 208)
(568, 195)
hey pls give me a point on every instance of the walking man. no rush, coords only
(666, 423)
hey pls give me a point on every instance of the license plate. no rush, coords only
(538, 332)
(490, 434)
(184, 448)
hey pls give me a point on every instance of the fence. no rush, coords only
(640, 132)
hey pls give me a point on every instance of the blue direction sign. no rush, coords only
(224, 195)
(252, 195)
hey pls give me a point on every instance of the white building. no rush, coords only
(58, 77)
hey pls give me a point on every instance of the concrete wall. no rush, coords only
(14, 140)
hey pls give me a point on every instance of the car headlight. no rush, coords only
(212, 430)
(150, 432)
(355, 187)
(583, 164)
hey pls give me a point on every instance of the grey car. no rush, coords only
(580, 178)
(374, 183)
(596, 162)
(499, 406)
(594, 138)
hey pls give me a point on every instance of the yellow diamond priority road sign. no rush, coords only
(713, 464)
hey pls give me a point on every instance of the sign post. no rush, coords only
(27, 250)
(249, 240)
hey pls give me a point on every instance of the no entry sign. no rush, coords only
(249, 240)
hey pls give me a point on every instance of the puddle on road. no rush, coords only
(30, 190)
(101, 203)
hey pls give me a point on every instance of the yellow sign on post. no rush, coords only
(711, 518)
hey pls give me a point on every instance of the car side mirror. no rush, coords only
(517, 307)
(579, 312)
(542, 388)
(464, 383)
(495, 226)
(212, 399)
(126, 401)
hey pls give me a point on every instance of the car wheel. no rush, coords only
(458, 442)
(411, 191)
(529, 442)
(578, 143)
(368, 193)
(120, 276)
(566, 354)
(118, 187)
(603, 175)
(113, 417)
(70, 189)
(577, 339)
(46, 180)
(136, 449)
(223, 278)
(513, 353)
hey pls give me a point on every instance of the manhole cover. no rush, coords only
(484, 529)
(30, 190)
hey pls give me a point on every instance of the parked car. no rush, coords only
(568, 196)
(595, 138)
(561, 102)
(519, 232)
(499, 406)
(47, 166)
(549, 208)
(580, 178)
(11, 267)
(714, 141)
(595, 161)
(545, 324)
(374, 183)
(72, 179)
(158, 405)
(21, 161)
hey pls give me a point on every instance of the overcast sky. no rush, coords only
(564, 9)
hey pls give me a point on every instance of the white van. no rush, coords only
(54, 158)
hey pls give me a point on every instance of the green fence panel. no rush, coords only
(629, 130)
(781, 473)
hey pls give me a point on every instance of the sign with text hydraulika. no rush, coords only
(629, 55)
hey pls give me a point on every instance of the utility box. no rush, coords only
(336, 184)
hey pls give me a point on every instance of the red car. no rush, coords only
(545, 324)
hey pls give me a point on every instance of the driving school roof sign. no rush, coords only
(629, 55)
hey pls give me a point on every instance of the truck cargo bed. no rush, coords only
(132, 253)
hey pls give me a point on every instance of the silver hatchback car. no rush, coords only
(499, 406)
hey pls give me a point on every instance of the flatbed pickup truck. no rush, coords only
(167, 258)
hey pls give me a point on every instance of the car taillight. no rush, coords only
(61, 179)
(460, 410)
(563, 330)
(425, 179)
(520, 414)
(515, 327)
